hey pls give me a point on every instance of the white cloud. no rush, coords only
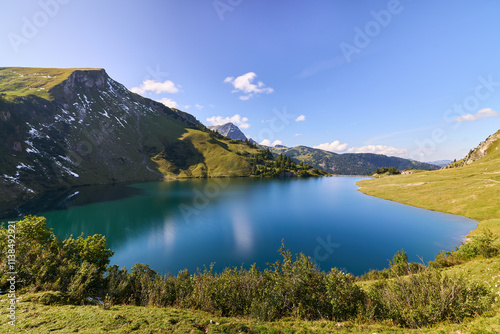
(483, 113)
(380, 149)
(237, 120)
(198, 106)
(335, 146)
(277, 142)
(267, 142)
(298, 134)
(155, 86)
(187, 106)
(300, 118)
(169, 103)
(244, 84)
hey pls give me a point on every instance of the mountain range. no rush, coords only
(349, 163)
(61, 128)
(340, 164)
(440, 163)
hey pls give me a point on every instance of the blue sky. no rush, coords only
(417, 79)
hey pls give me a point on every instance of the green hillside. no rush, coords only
(23, 81)
(349, 163)
(61, 128)
(472, 190)
(89, 129)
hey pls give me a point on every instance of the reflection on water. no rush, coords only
(62, 200)
(232, 222)
(242, 229)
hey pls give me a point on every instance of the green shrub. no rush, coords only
(398, 266)
(399, 263)
(86, 283)
(141, 279)
(427, 298)
(231, 292)
(52, 298)
(445, 259)
(483, 245)
(118, 286)
(44, 262)
(345, 297)
(74, 270)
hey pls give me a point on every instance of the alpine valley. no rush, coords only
(70, 127)
(61, 128)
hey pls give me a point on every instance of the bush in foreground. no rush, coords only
(480, 246)
(76, 270)
(428, 297)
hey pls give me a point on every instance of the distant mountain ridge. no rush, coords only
(341, 164)
(441, 163)
(349, 163)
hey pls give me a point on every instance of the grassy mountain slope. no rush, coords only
(24, 81)
(349, 163)
(472, 191)
(69, 127)
(477, 153)
(198, 154)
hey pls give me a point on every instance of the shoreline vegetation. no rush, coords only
(62, 284)
(65, 274)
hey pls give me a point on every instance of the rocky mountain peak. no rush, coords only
(229, 130)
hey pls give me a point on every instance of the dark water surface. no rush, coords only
(188, 224)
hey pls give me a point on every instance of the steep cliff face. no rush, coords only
(89, 129)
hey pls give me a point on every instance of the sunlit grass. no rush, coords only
(23, 81)
(34, 317)
(472, 191)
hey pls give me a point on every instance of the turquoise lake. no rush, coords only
(232, 222)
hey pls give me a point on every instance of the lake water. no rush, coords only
(233, 222)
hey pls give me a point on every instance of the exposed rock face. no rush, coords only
(89, 79)
(17, 146)
(229, 130)
(479, 152)
(92, 131)
(482, 150)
